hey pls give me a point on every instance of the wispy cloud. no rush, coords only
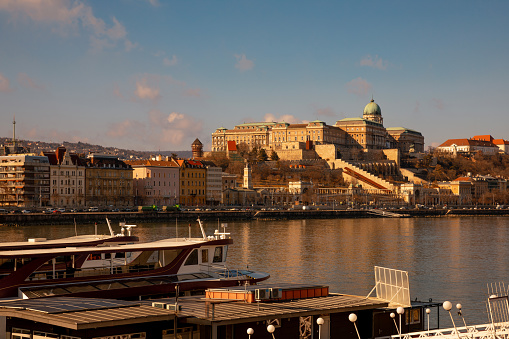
(154, 3)
(146, 89)
(5, 84)
(437, 103)
(65, 15)
(193, 92)
(176, 129)
(25, 81)
(375, 62)
(243, 64)
(326, 112)
(358, 86)
(269, 117)
(170, 62)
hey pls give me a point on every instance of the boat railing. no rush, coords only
(484, 331)
(219, 269)
(90, 271)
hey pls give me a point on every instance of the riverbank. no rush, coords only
(134, 217)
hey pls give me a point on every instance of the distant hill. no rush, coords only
(85, 148)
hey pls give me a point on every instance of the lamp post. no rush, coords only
(458, 306)
(353, 318)
(250, 331)
(320, 322)
(271, 330)
(393, 316)
(428, 311)
(448, 306)
(400, 310)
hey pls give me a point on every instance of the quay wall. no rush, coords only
(136, 217)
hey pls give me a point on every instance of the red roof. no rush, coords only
(467, 142)
(232, 146)
(483, 137)
(500, 142)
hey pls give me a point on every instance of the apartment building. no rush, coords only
(67, 178)
(109, 181)
(155, 182)
(24, 181)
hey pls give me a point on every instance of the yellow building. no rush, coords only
(109, 181)
(367, 132)
(193, 182)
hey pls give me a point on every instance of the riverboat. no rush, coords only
(118, 266)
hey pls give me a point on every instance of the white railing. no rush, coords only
(485, 331)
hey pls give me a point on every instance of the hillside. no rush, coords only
(84, 148)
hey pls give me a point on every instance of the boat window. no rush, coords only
(120, 255)
(38, 335)
(170, 255)
(126, 336)
(204, 255)
(218, 254)
(193, 258)
(18, 333)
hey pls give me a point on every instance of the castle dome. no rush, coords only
(372, 109)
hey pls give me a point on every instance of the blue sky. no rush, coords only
(155, 74)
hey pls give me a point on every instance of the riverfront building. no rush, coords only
(24, 181)
(67, 178)
(155, 182)
(108, 181)
(193, 182)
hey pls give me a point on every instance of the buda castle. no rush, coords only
(349, 134)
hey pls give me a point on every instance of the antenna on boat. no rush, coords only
(202, 230)
(75, 230)
(109, 226)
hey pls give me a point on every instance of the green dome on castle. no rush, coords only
(372, 109)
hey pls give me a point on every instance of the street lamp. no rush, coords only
(400, 310)
(447, 305)
(320, 322)
(250, 331)
(393, 316)
(353, 318)
(458, 306)
(428, 311)
(271, 330)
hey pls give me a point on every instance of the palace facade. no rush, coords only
(367, 132)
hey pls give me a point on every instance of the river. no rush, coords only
(448, 258)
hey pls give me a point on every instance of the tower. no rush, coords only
(247, 177)
(197, 148)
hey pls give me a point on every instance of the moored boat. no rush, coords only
(117, 266)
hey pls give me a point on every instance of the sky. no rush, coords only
(155, 75)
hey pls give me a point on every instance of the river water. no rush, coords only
(449, 258)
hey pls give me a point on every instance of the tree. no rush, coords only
(262, 155)
(274, 156)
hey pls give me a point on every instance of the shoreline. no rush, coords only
(99, 217)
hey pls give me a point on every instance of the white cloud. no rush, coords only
(375, 62)
(358, 86)
(170, 62)
(66, 15)
(176, 129)
(5, 84)
(269, 117)
(175, 116)
(144, 90)
(25, 81)
(243, 64)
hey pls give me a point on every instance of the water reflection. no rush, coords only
(447, 258)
